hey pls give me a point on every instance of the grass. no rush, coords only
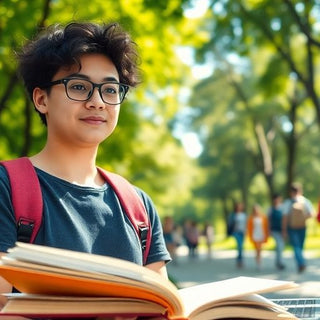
(312, 241)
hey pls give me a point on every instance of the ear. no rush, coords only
(40, 100)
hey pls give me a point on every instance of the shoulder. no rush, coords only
(307, 204)
(286, 206)
(123, 183)
(3, 171)
(243, 215)
(4, 179)
(5, 189)
(143, 195)
(305, 200)
(148, 203)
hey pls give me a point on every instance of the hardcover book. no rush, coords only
(62, 283)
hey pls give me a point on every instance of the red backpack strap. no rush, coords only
(26, 197)
(133, 207)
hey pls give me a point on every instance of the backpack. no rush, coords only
(27, 201)
(297, 216)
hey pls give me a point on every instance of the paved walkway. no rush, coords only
(186, 271)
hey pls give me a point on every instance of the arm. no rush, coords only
(159, 267)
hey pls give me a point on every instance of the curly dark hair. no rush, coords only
(58, 46)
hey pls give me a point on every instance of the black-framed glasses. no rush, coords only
(79, 89)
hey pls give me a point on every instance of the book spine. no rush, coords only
(86, 316)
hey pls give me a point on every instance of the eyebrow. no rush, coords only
(83, 76)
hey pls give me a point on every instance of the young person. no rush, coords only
(275, 226)
(77, 77)
(296, 210)
(258, 231)
(237, 227)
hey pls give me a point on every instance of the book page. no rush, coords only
(244, 312)
(211, 293)
(41, 282)
(86, 262)
(82, 261)
(255, 307)
(251, 302)
(52, 306)
(45, 270)
(31, 268)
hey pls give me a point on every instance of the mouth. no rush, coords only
(95, 120)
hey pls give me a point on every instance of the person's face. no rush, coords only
(277, 201)
(80, 123)
(239, 207)
(293, 194)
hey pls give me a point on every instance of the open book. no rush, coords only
(63, 283)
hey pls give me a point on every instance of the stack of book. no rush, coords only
(62, 283)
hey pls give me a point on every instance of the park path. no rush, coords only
(186, 271)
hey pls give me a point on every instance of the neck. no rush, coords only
(73, 165)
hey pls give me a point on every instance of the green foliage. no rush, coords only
(257, 114)
(142, 147)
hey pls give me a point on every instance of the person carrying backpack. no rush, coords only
(77, 77)
(296, 210)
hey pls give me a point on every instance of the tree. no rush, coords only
(254, 114)
(156, 27)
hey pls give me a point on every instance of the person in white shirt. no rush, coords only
(238, 225)
(296, 232)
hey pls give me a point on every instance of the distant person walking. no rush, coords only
(318, 212)
(258, 231)
(237, 226)
(192, 237)
(168, 234)
(275, 226)
(208, 232)
(296, 210)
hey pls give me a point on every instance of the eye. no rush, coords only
(78, 85)
(110, 89)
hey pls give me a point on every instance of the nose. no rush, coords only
(95, 100)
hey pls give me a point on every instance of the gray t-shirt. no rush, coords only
(85, 219)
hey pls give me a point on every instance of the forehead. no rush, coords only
(95, 66)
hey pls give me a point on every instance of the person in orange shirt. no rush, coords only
(258, 231)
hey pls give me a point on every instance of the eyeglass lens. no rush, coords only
(82, 90)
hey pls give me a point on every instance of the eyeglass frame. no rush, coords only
(65, 81)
